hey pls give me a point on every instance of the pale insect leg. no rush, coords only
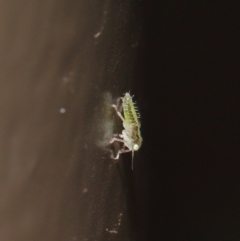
(119, 140)
(119, 105)
(119, 152)
(116, 139)
(118, 113)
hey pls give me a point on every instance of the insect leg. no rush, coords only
(119, 105)
(116, 139)
(120, 152)
(118, 113)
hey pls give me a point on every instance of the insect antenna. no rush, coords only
(132, 159)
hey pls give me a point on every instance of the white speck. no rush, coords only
(113, 231)
(85, 190)
(97, 34)
(62, 110)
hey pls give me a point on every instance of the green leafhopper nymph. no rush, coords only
(131, 135)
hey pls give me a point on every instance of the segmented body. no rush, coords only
(130, 111)
(132, 125)
(131, 135)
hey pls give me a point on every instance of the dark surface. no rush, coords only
(62, 65)
(189, 172)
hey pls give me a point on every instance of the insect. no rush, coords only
(131, 135)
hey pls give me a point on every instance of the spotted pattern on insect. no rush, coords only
(131, 135)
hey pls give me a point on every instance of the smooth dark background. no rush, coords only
(188, 177)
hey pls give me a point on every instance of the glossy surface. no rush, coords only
(59, 64)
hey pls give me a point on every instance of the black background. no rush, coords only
(190, 160)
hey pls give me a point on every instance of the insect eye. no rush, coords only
(135, 147)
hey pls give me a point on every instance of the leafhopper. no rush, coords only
(131, 135)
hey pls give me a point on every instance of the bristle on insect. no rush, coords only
(130, 110)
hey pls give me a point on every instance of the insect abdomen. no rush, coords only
(130, 111)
